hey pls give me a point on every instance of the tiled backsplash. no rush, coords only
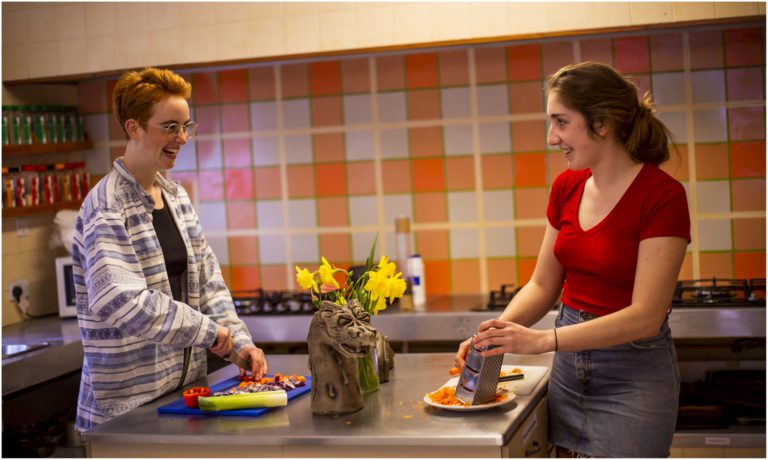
(300, 159)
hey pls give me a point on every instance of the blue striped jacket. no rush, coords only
(134, 334)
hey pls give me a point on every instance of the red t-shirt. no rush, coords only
(600, 263)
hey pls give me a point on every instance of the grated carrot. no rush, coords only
(446, 396)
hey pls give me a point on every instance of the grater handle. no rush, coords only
(507, 378)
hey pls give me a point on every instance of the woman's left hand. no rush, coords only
(254, 356)
(512, 338)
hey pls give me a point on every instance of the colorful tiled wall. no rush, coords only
(295, 160)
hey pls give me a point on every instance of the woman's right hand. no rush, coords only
(223, 345)
(461, 355)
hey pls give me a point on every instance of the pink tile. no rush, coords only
(390, 72)
(743, 47)
(631, 54)
(204, 89)
(92, 97)
(355, 76)
(490, 65)
(235, 118)
(212, 185)
(706, 49)
(209, 120)
(555, 55)
(746, 123)
(241, 215)
(239, 184)
(599, 50)
(295, 80)
(233, 85)
(666, 52)
(115, 132)
(745, 84)
(361, 178)
(262, 83)
(209, 154)
(524, 62)
(237, 153)
(454, 68)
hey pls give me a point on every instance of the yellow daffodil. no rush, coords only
(386, 266)
(381, 304)
(305, 279)
(396, 287)
(326, 275)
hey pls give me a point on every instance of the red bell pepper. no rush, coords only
(191, 395)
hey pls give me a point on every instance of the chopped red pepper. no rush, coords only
(191, 395)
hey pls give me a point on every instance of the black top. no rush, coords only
(174, 251)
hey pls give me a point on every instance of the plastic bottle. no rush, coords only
(39, 129)
(14, 127)
(6, 126)
(9, 182)
(32, 185)
(26, 125)
(417, 282)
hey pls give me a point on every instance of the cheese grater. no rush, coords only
(480, 377)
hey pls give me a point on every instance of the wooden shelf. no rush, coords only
(41, 209)
(34, 149)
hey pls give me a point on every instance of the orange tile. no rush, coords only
(355, 75)
(428, 174)
(490, 65)
(204, 89)
(677, 165)
(465, 276)
(525, 269)
(426, 142)
(528, 136)
(239, 184)
(556, 55)
(235, 118)
(396, 175)
(529, 240)
(262, 83)
(336, 247)
(390, 72)
(328, 147)
(718, 264)
(421, 70)
(233, 85)
(212, 185)
(432, 244)
(556, 164)
(748, 159)
(243, 250)
(324, 78)
(530, 169)
(712, 161)
(460, 173)
(241, 215)
(599, 50)
(524, 62)
(497, 171)
(667, 52)
(226, 275)
(749, 234)
(267, 182)
(429, 207)
(326, 111)
(301, 181)
(437, 277)
(686, 271)
(92, 97)
(526, 97)
(501, 271)
(748, 194)
(361, 177)
(273, 277)
(749, 264)
(746, 123)
(332, 212)
(423, 104)
(244, 277)
(331, 179)
(237, 152)
(743, 46)
(454, 68)
(531, 203)
(745, 84)
(295, 80)
(631, 54)
(706, 49)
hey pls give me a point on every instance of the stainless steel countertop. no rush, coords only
(393, 416)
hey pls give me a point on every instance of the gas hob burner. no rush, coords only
(261, 302)
(757, 290)
(498, 300)
(719, 292)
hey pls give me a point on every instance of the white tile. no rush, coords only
(455, 102)
(263, 116)
(163, 53)
(357, 109)
(136, 48)
(375, 26)
(213, 216)
(292, 9)
(302, 33)
(73, 56)
(296, 114)
(457, 139)
(715, 235)
(500, 242)
(233, 40)
(498, 205)
(413, 22)
(709, 125)
(336, 30)
(98, 161)
(304, 248)
(100, 19)
(708, 86)
(269, 214)
(268, 36)
(730, 9)
(363, 211)
(187, 160)
(359, 145)
(259, 10)
(668, 88)
(463, 243)
(97, 127)
(220, 247)
(449, 20)
(567, 16)
(15, 62)
(361, 247)
(676, 123)
(272, 249)
(607, 14)
(164, 16)
(394, 143)
(650, 13)
(391, 107)
(462, 207)
(199, 43)
(229, 12)
(492, 100)
(303, 213)
(324, 7)
(488, 19)
(42, 25)
(198, 13)
(692, 11)
(298, 149)
(396, 206)
(525, 17)
(133, 9)
(266, 151)
(494, 138)
(14, 27)
(102, 56)
(713, 196)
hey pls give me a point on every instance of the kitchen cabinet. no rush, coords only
(532, 438)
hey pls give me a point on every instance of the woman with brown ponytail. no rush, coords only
(616, 236)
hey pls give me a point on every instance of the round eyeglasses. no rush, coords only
(172, 130)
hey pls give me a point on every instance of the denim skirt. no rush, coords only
(619, 401)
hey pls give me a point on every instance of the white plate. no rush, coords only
(503, 386)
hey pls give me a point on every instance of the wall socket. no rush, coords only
(19, 291)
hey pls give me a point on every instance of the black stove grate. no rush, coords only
(261, 302)
(719, 292)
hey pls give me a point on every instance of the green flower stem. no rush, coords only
(369, 381)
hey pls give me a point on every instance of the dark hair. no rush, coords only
(603, 95)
